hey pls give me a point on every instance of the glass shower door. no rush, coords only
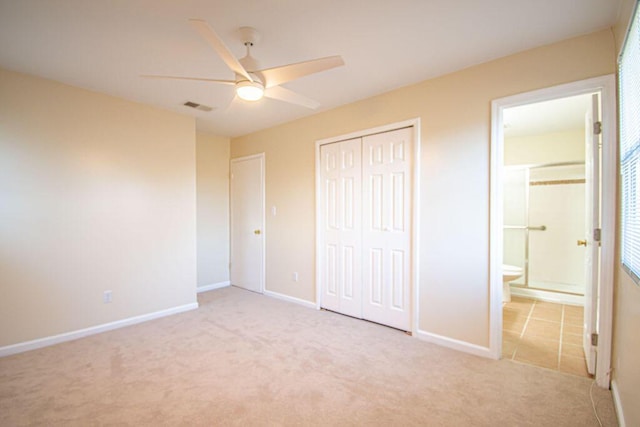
(557, 200)
(543, 220)
(515, 213)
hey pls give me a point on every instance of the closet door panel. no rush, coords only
(351, 227)
(340, 263)
(386, 228)
(329, 254)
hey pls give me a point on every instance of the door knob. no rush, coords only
(582, 243)
(256, 231)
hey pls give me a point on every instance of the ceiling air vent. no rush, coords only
(197, 106)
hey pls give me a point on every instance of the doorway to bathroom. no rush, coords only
(552, 226)
(545, 188)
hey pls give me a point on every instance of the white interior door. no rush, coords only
(592, 222)
(386, 228)
(341, 212)
(247, 222)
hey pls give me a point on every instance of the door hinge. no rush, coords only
(594, 339)
(597, 128)
(597, 234)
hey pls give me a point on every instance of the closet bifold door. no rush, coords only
(386, 228)
(341, 250)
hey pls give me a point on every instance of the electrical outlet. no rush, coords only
(107, 297)
(294, 276)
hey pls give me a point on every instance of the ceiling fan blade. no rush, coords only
(198, 79)
(207, 33)
(286, 95)
(231, 105)
(286, 73)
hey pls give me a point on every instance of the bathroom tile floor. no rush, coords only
(544, 334)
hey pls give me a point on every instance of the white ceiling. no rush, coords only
(558, 115)
(105, 45)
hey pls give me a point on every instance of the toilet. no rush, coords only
(509, 274)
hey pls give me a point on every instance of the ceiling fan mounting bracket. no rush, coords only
(249, 36)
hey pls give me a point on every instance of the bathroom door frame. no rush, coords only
(606, 86)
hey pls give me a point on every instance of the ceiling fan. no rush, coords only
(252, 83)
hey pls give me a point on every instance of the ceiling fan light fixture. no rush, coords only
(250, 91)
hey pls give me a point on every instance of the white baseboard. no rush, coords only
(295, 300)
(80, 333)
(454, 344)
(213, 286)
(617, 404)
(548, 296)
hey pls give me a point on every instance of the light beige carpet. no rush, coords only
(247, 359)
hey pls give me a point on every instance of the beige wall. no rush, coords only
(455, 118)
(96, 193)
(626, 344)
(553, 147)
(212, 167)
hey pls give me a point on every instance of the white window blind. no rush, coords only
(629, 95)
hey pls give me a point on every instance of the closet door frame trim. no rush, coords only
(415, 208)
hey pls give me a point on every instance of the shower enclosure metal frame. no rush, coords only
(527, 227)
